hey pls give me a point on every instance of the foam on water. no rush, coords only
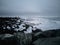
(43, 23)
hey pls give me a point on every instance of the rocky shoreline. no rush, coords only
(13, 31)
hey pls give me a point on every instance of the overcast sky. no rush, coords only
(41, 7)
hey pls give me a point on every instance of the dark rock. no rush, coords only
(50, 33)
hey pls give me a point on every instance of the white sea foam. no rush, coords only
(43, 23)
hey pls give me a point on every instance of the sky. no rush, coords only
(34, 7)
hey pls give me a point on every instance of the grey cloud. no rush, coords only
(42, 7)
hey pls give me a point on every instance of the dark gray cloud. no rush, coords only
(38, 7)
